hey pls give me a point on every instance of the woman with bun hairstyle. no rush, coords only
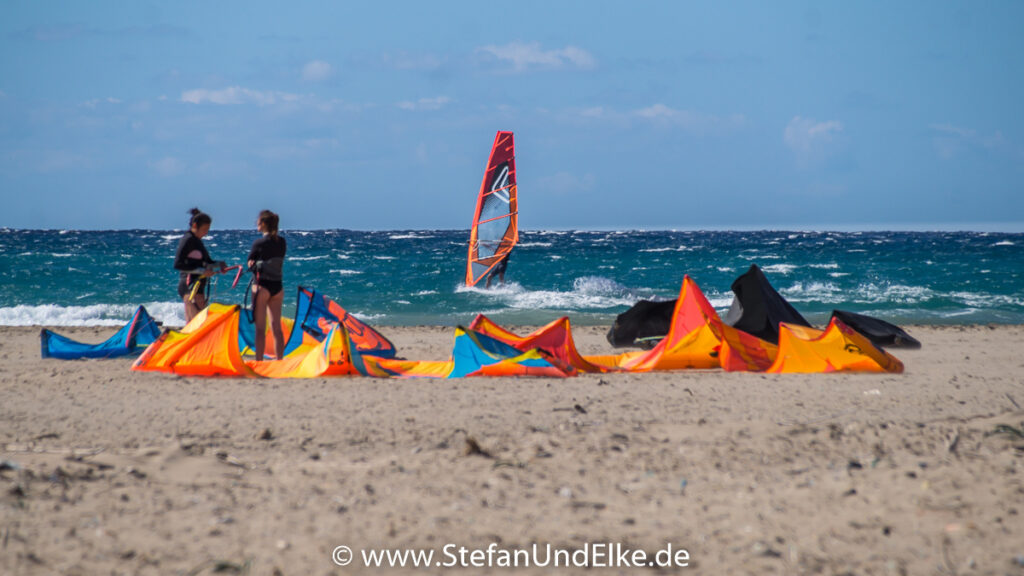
(266, 261)
(194, 264)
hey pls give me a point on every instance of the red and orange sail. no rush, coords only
(496, 220)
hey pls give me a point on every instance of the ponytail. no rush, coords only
(269, 220)
(199, 218)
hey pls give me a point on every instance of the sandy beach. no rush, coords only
(106, 471)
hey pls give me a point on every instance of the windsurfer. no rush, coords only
(194, 264)
(266, 261)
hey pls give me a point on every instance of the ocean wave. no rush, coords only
(548, 300)
(409, 237)
(307, 258)
(666, 249)
(983, 300)
(779, 268)
(588, 293)
(344, 272)
(892, 293)
(1004, 243)
(170, 313)
(825, 292)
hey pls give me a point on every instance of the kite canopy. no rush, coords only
(554, 339)
(474, 354)
(645, 319)
(208, 346)
(880, 332)
(315, 315)
(757, 308)
(838, 348)
(694, 338)
(495, 228)
(322, 344)
(138, 333)
(698, 338)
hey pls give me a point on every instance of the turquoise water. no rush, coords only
(415, 277)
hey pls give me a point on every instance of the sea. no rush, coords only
(416, 277)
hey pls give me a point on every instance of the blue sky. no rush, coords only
(380, 115)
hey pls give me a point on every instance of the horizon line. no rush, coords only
(1009, 227)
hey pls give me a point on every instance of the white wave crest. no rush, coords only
(779, 268)
(588, 293)
(981, 300)
(170, 313)
(892, 293)
(676, 249)
(826, 292)
(409, 237)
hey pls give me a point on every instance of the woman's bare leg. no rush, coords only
(259, 317)
(192, 308)
(274, 304)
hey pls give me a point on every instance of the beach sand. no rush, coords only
(108, 471)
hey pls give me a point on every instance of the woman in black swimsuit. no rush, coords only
(266, 261)
(194, 264)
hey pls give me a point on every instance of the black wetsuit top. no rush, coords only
(267, 253)
(191, 254)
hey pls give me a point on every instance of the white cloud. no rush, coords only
(236, 95)
(949, 140)
(688, 119)
(167, 166)
(658, 111)
(806, 136)
(316, 71)
(953, 130)
(425, 103)
(525, 56)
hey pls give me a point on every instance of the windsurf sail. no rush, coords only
(496, 220)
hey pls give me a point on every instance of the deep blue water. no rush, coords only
(415, 277)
